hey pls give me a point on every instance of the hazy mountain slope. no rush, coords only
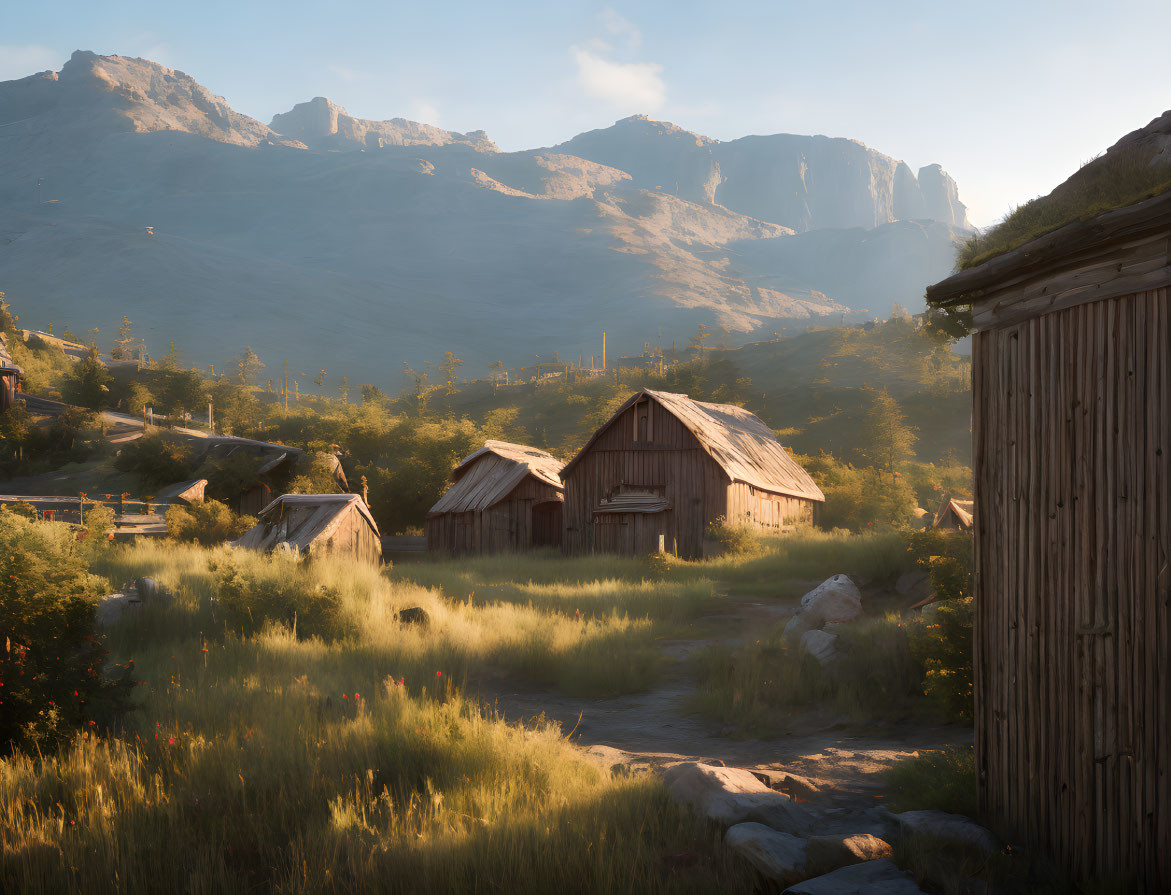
(129, 189)
(801, 182)
(321, 124)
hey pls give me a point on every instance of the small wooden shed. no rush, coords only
(10, 376)
(503, 497)
(1072, 441)
(665, 466)
(337, 525)
(954, 514)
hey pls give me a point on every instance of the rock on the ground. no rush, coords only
(821, 645)
(148, 589)
(779, 856)
(880, 877)
(797, 626)
(824, 854)
(414, 615)
(113, 607)
(950, 830)
(732, 796)
(834, 601)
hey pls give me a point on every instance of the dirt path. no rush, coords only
(832, 760)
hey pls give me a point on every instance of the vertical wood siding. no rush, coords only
(1073, 593)
(507, 525)
(669, 462)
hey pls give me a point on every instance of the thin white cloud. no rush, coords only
(621, 27)
(424, 112)
(19, 62)
(630, 85)
(343, 72)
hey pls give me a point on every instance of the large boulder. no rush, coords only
(779, 856)
(952, 831)
(881, 877)
(824, 854)
(112, 608)
(731, 796)
(833, 601)
(822, 645)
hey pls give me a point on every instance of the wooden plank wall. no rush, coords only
(670, 462)
(1073, 622)
(353, 538)
(507, 525)
(771, 512)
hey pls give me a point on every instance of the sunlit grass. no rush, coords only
(275, 761)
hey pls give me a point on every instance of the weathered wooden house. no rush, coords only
(954, 514)
(664, 467)
(503, 497)
(338, 525)
(10, 376)
(1072, 441)
(183, 493)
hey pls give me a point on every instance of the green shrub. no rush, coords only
(946, 556)
(941, 639)
(273, 592)
(941, 781)
(208, 522)
(156, 460)
(737, 540)
(50, 660)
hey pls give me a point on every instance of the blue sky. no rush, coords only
(1009, 97)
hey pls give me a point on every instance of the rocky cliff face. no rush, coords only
(321, 124)
(115, 93)
(805, 183)
(128, 188)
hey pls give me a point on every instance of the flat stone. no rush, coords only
(111, 608)
(779, 856)
(950, 830)
(880, 877)
(825, 854)
(731, 796)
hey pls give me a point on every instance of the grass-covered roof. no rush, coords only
(1136, 168)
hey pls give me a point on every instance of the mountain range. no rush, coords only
(353, 245)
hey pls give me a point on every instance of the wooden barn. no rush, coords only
(10, 376)
(665, 466)
(337, 525)
(1072, 431)
(503, 497)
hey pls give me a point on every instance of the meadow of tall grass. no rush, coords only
(336, 748)
(259, 756)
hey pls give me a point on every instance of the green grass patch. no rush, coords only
(1120, 178)
(944, 780)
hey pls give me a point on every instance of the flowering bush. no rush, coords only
(51, 676)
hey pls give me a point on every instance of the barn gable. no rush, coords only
(737, 440)
(314, 521)
(487, 476)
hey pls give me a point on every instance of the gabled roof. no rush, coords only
(739, 441)
(323, 513)
(963, 510)
(192, 490)
(487, 476)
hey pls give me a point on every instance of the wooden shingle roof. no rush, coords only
(739, 441)
(487, 476)
(316, 517)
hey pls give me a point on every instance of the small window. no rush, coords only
(642, 428)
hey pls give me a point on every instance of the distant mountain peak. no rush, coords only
(321, 123)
